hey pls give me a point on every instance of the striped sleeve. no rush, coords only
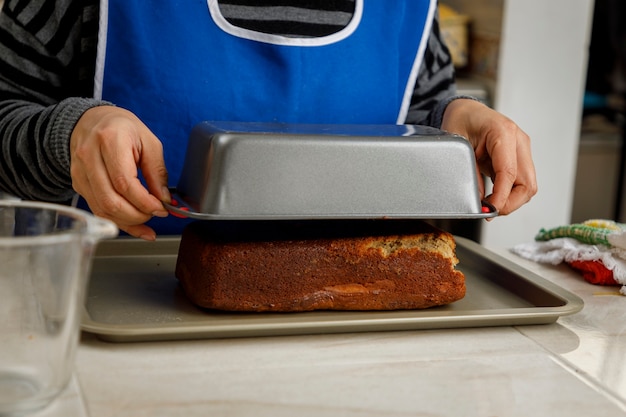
(435, 86)
(44, 89)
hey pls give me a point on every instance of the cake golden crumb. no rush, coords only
(284, 266)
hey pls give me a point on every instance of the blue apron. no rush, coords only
(179, 62)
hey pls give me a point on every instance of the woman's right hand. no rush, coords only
(108, 147)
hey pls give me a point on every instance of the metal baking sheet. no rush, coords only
(251, 171)
(134, 296)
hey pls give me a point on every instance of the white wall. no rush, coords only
(540, 83)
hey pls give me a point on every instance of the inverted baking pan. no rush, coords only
(248, 171)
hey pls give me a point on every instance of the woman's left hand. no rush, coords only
(502, 152)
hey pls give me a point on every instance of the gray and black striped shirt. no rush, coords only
(47, 66)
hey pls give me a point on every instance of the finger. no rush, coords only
(103, 210)
(503, 177)
(525, 186)
(106, 202)
(154, 171)
(509, 152)
(141, 231)
(93, 182)
(90, 180)
(519, 196)
(121, 166)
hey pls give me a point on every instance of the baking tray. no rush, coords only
(251, 171)
(134, 296)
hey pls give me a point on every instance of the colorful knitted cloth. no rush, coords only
(594, 272)
(596, 248)
(591, 232)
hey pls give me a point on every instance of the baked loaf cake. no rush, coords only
(285, 266)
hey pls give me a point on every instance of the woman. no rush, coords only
(96, 95)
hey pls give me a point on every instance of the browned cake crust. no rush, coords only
(228, 267)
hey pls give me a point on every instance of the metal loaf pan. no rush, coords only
(248, 171)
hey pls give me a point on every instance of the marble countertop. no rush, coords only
(574, 367)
